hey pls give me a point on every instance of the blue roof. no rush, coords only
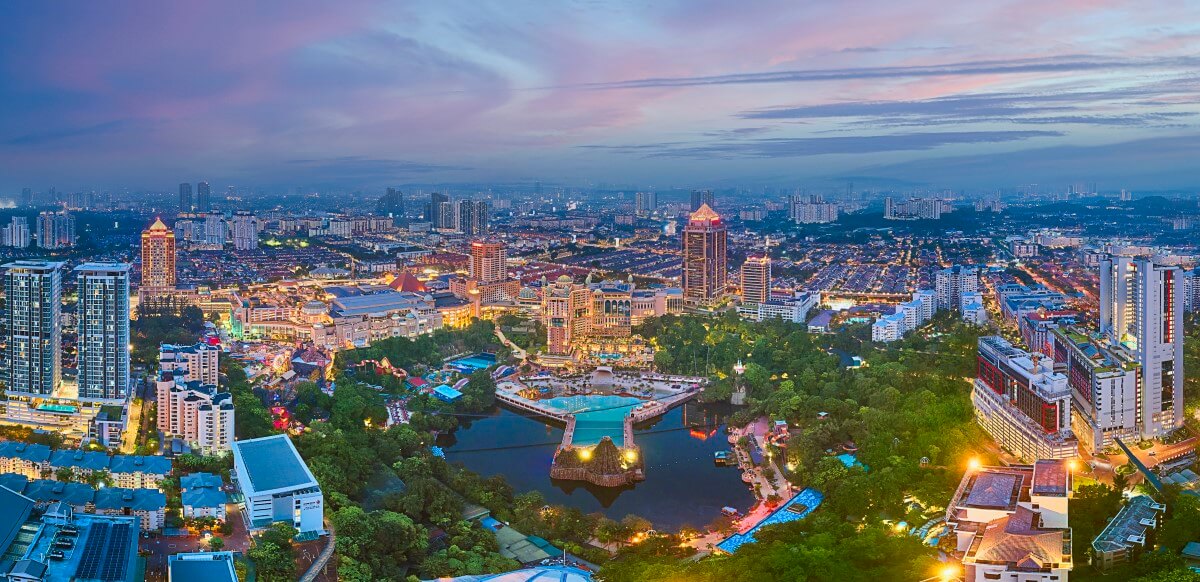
(46, 491)
(203, 497)
(133, 499)
(798, 507)
(25, 451)
(14, 510)
(14, 481)
(271, 463)
(447, 393)
(152, 465)
(79, 459)
(199, 480)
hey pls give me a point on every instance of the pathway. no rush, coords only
(322, 559)
(518, 351)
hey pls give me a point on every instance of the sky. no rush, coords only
(652, 94)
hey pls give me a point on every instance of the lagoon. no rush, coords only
(682, 486)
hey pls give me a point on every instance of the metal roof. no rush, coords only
(271, 463)
(202, 567)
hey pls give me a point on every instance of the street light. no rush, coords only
(974, 464)
(948, 572)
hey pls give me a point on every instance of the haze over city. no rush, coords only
(636, 94)
(600, 291)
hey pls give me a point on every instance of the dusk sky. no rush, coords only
(652, 94)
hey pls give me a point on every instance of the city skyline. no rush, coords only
(665, 95)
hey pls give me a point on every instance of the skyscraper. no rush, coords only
(26, 197)
(1140, 309)
(158, 257)
(103, 322)
(701, 198)
(16, 234)
(55, 230)
(436, 202)
(214, 229)
(645, 203)
(203, 197)
(473, 216)
(186, 204)
(756, 279)
(704, 260)
(391, 204)
(33, 327)
(488, 261)
(245, 231)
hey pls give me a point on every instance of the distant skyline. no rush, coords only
(144, 95)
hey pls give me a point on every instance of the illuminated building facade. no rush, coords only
(158, 257)
(1141, 309)
(1022, 402)
(705, 274)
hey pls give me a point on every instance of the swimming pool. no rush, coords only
(478, 361)
(596, 416)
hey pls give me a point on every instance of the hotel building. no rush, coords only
(1010, 523)
(1022, 403)
(705, 272)
(1141, 309)
(158, 257)
(603, 313)
(487, 280)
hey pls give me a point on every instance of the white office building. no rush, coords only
(795, 310)
(214, 230)
(16, 234)
(103, 323)
(55, 230)
(277, 485)
(812, 209)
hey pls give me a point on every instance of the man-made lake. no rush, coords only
(682, 486)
